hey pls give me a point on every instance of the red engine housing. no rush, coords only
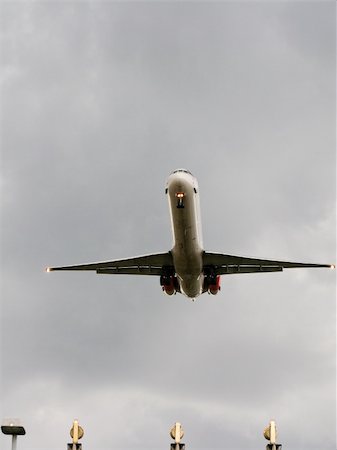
(213, 287)
(169, 284)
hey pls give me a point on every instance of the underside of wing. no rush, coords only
(139, 265)
(227, 264)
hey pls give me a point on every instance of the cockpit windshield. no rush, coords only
(182, 170)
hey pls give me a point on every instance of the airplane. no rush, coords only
(187, 268)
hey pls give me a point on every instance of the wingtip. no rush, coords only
(333, 266)
(48, 269)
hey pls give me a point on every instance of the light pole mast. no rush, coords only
(76, 433)
(270, 433)
(13, 428)
(177, 433)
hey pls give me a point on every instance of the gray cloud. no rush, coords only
(101, 101)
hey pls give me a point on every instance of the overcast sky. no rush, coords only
(100, 101)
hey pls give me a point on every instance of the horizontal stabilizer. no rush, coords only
(227, 264)
(142, 265)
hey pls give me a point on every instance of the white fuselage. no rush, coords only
(183, 197)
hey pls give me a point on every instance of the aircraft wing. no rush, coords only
(140, 265)
(227, 264)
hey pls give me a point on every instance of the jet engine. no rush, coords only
(169, 284)
(212, 284)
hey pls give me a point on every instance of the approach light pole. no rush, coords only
(177, 433)
(14, 428)
(270, 433)
(76, 433)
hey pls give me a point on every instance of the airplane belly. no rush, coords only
(187, 249)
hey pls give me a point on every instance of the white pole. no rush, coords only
(14, 440)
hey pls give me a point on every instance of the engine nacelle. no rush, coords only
(169, 284)
(215, 287)
(212, 284)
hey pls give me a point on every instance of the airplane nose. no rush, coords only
(180, 176)
(181, 181)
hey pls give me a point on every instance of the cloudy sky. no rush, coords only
(100, 102)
